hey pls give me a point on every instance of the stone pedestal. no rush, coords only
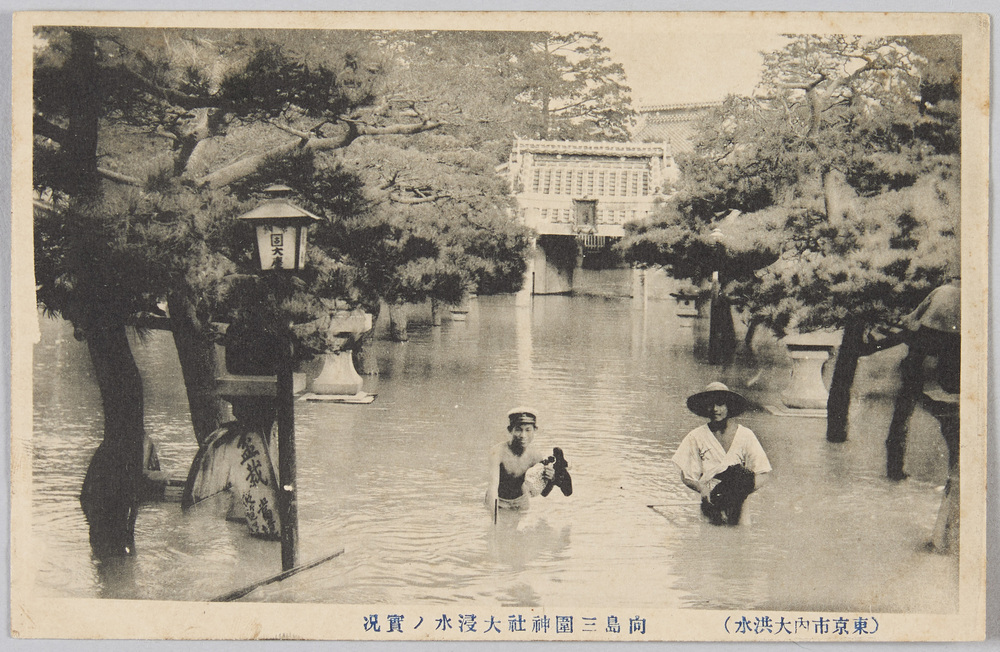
(687, 306)
(809, 352)
(806, 389)
(338, 375)
(462, 310)
(232, 385)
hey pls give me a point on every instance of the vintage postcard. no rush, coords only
(499, 326)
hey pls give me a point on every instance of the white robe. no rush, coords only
(700, 456)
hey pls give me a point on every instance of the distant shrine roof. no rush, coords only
(679, 108)
(672, 123)
(591, 148)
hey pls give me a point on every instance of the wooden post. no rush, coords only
(287, 506)
(640, 293)
(721, 332)
(435, 312)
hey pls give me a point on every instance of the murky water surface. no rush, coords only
(398, 484)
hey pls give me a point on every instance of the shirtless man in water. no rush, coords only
(510, 461)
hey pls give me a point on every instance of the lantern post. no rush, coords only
(721, 333)
(282, 231)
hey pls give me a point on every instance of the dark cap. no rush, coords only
(521, 415)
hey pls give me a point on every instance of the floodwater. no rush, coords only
(398, 484)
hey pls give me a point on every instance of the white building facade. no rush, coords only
(587, 188)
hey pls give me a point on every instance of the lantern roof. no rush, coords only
(278, 209)
(277, 187)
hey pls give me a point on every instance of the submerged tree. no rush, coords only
(846, 169)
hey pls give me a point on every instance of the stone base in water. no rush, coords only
(782, 411)
(359, 398)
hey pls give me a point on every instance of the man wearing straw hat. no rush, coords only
(721, 460)
(511, 460)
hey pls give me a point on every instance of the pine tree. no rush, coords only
(136, 195)
(576, 91)
(846, 172)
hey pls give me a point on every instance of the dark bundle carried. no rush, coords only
(560, 476)
(726, 506)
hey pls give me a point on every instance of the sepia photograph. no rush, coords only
(499, 326)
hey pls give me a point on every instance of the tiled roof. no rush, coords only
(679, 135)
(683, 106)
(672, 123)
(602, 148)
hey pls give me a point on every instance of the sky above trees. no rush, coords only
(689, 67)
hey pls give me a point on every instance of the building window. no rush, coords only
(635, 184)
(545, 215)
(557, 184)
(548, 181)
(600, 182)
(590, 182)
(585, 212)
(612, 183)
(579, 182)
(645, 183)
(565, 215)
(624, 188)
(536, 179)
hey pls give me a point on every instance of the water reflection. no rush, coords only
(521, 539)
(398, 484)
(518, 544)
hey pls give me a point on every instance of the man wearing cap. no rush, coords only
(510, 461)
(722, 460)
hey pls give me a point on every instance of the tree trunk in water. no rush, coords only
(363, 354)
(435, 312)
(911, 372)
(197, 357)
(111, 488)
(398, 322)
(839, 402)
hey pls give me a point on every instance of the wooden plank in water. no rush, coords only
(239, 593)
(675, 503)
